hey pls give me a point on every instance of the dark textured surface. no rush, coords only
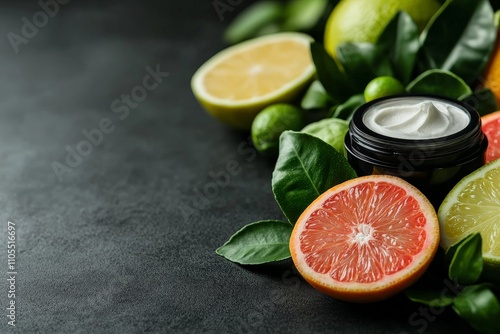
(124, 243)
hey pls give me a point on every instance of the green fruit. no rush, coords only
(473, 206)
(271, 122)
(364, 20)
(330, 130)
(383, 86)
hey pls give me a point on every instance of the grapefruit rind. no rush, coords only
(491, 261)
(390, 284)
(240, 113)
(491, 128)
(490, 117)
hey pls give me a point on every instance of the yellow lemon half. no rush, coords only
(238, 82)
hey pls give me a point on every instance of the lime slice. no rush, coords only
(237, 83)
(473, 205)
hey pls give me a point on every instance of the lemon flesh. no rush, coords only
(237, 83)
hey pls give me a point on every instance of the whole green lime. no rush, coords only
(364, 20)
(271, 122)
(383, 86)
(330, 130)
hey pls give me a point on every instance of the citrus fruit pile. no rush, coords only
(365, 239)
(244, 79)
(371, 237)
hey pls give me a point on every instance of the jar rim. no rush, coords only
(454, 149)
(360, 112)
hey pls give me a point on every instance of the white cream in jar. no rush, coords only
(415, 118)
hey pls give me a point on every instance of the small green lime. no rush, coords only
(271, 122)
(330, 130)
(383, 86)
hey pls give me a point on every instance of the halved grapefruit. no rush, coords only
(491, 128)
(366, 239)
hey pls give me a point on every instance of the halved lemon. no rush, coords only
(473, 206)
(238, 82)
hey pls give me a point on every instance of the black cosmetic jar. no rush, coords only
(432, 165)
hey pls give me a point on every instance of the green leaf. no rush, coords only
(362, 62)
(303, 15)
(466, 260)
(252, 20)
(347, 109)
(460, 38)
(483, 100)
(399, 42)
(479, 306)
(439, 82)
(336, 83)
(315, 97)
(434, 298)
(306, 167)
(260, 242)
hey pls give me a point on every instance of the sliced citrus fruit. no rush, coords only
(473, 206)
(366, 239)
(238, 82)
(491, 128)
